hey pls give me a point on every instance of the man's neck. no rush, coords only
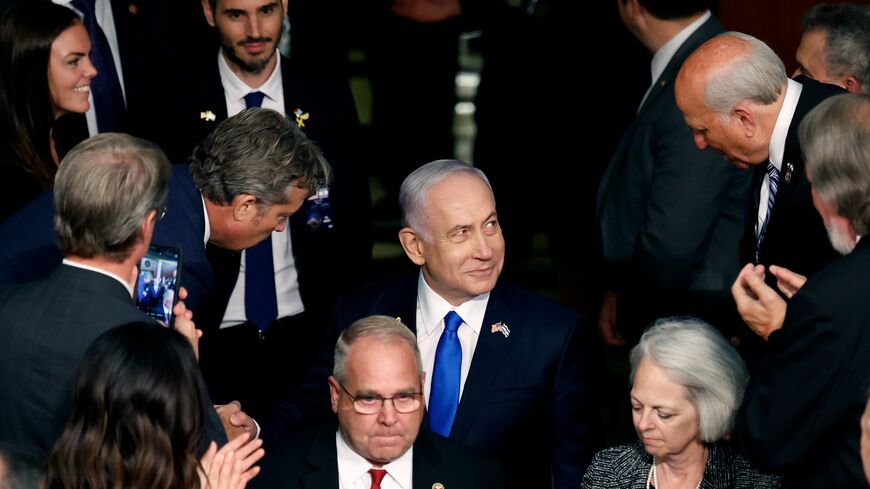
(253, 80)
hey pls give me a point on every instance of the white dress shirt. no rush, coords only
(286, 276)
(103, 13)
(431, 309)
(777, 147)
(353, 470)
(665, 53)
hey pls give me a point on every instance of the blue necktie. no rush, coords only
(261, 305)
(444, 395)
(106, 86)
(773, 173)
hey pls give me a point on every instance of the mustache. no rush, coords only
(254, 40)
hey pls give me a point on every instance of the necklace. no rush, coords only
(653, 480)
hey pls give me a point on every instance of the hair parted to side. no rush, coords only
(758, 75)
(416, 187)
(258, 152)
(847, 38)
(27, 31)
(384, 330)
(137, 417)
(104, 190)
(693, 354)
(835, 139)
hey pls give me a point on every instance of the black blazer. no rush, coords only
(527, 396)
(800, 414)
(796, 237)
(46, 328)
(669, 215)
(328, 262)
(308, 460)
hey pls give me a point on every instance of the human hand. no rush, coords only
(231, 467)
(761, 308)
(787, 281)
(235, 421)
(607, 320)
(184, 322)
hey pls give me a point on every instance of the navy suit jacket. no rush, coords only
(46, 328)
(308, 460)
(526, 398)
(670, 216)
(796, 237)
(800, 414)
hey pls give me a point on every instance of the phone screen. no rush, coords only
(157, 284)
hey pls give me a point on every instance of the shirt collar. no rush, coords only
(352, 466)
(236, 89)
(665, 53)
(776, 151)
(433, 308)
(67, 261)
(207, 225)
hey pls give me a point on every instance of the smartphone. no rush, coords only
(157, 284)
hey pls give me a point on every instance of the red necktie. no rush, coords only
(377, 477)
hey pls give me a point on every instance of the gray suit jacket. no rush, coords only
(669, 216)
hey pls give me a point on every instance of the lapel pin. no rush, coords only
(789, 171)
(207, 116)
(502, 328)
(398, 319)
(437, 485)
(301, 117)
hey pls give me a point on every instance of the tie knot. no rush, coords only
(377, 476)
(452, 322)
(254, 99)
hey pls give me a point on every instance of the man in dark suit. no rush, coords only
(377, 393)
(735, 96)
(324, 252)
(46, 326)
(669, 214)
(801, 409)
(519, 389)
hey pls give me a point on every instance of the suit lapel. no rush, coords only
(426, 461)
(489, 355)
(323, 459)
(213, 102)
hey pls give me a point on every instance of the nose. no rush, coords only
(254, 27)
(89, 70)
(387, 416)
(644, 422)
(484, 247)
(700, 140)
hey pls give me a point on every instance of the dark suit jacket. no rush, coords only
(46, 328)
(308, 460)
(796, 237)
(327, 262)
(801, 409)
(526, 396)
(669, 215)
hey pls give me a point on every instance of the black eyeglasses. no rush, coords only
(406, 402)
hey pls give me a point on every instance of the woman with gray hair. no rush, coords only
(687, 383)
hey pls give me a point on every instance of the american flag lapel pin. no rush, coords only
(501, 327)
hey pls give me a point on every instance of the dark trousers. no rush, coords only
(258, 369)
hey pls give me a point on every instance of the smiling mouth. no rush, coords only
(82, 89)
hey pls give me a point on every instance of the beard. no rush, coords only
(252, 66)
(840, 239)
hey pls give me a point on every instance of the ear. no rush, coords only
(745, 118)
(334, 393)
(244, 207)
(851, 84)
(209, 13)
(413, 246)
(147, 229)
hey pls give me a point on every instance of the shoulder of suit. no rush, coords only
(520, 297)
(617, 463)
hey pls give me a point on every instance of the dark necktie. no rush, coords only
(446, 375)
(106, 86)
(773, 186)
(377, 477)
(261, 305)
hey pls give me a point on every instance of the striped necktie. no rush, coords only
(773, 175)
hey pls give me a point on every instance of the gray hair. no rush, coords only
(693, 354)
(758, 75)
(835, 139)
(258, 152)
(383, 329)
(847, 44)
(416, 187)
(104, 190)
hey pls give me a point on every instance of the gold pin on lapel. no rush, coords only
(301, 117)
(437, 485)
(207, 116)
